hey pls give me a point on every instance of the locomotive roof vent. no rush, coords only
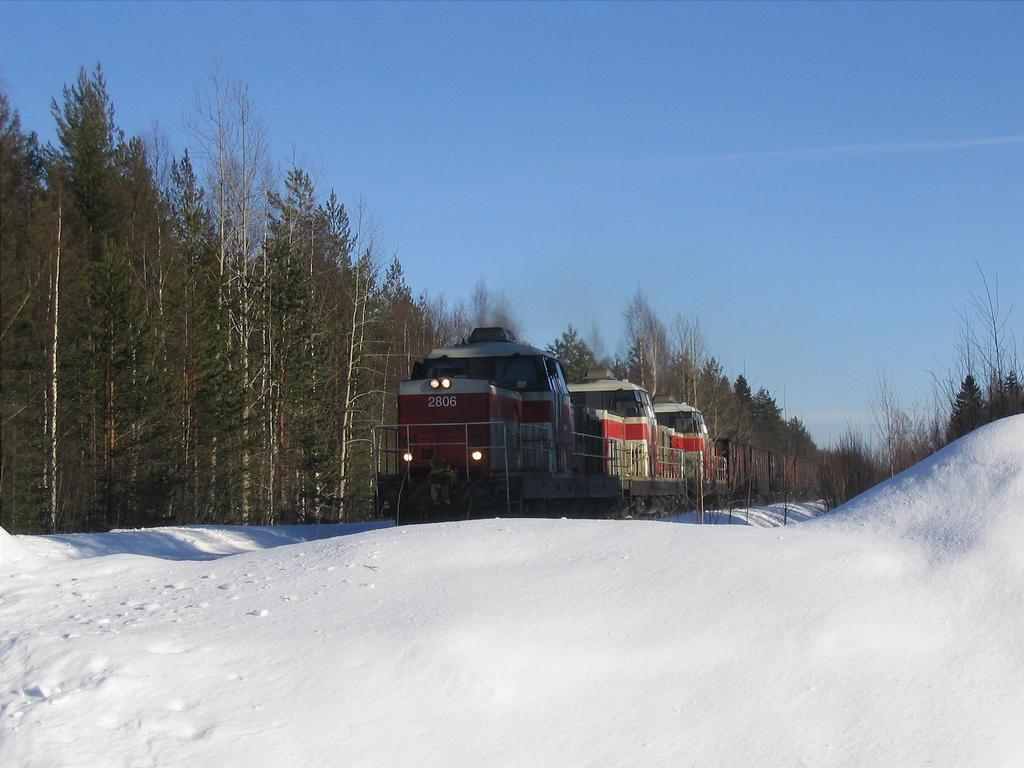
(480, 335)
(664, 399)
(596, 374)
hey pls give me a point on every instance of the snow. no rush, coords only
(886, 632)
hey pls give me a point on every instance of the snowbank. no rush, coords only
(886, 633)
(969, 494)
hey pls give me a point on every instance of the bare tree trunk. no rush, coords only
(275, 424)
(352, 367)
(190, 459)
(245, 311)
(51, 465)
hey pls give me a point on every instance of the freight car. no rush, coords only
(754, 474)
(491, 427)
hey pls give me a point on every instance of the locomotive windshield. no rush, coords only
(514, 372)
(622, 402)
(682, 421)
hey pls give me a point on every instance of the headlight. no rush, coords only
(446, 383)
(435, 383)
(407, 456)
(476, 455)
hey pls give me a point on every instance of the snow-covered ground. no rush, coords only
(887, 632)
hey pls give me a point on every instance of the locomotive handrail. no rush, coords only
(637, 458)
(536, 447)
(671, 462)
(597, 451)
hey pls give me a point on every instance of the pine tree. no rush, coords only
(743, 399)
(1004, 396)
(799, 441)
(1014, 394)
(768, 427)
(403, 337)
(118, 341)
(86, 166)
(968, 410)
(741, 390)
(150, 437)
(714, 397)
(573, 353)
(296, 355)
(211, 407)
(193, 241)
(27, 248)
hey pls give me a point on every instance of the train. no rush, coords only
(491, 427)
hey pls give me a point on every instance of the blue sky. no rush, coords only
(817, 182)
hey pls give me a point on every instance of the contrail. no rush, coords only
(854, 149)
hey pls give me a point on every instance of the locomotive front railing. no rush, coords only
(393, 442)
(672, 463)
(393, 455)
(594, 454)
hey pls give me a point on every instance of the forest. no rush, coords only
(187, 339)
(203, 338)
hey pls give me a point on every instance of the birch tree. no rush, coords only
(356, 377)
(689, 353)
(232, 141)
(647, 355)
(50, 474)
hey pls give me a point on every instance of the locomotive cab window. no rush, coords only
(521, 373)
(680, 421)
(646, 406)
(515, 372)
(631, 402)
(670, 420)
(621, 402)
(627, 407)
(436, 369)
